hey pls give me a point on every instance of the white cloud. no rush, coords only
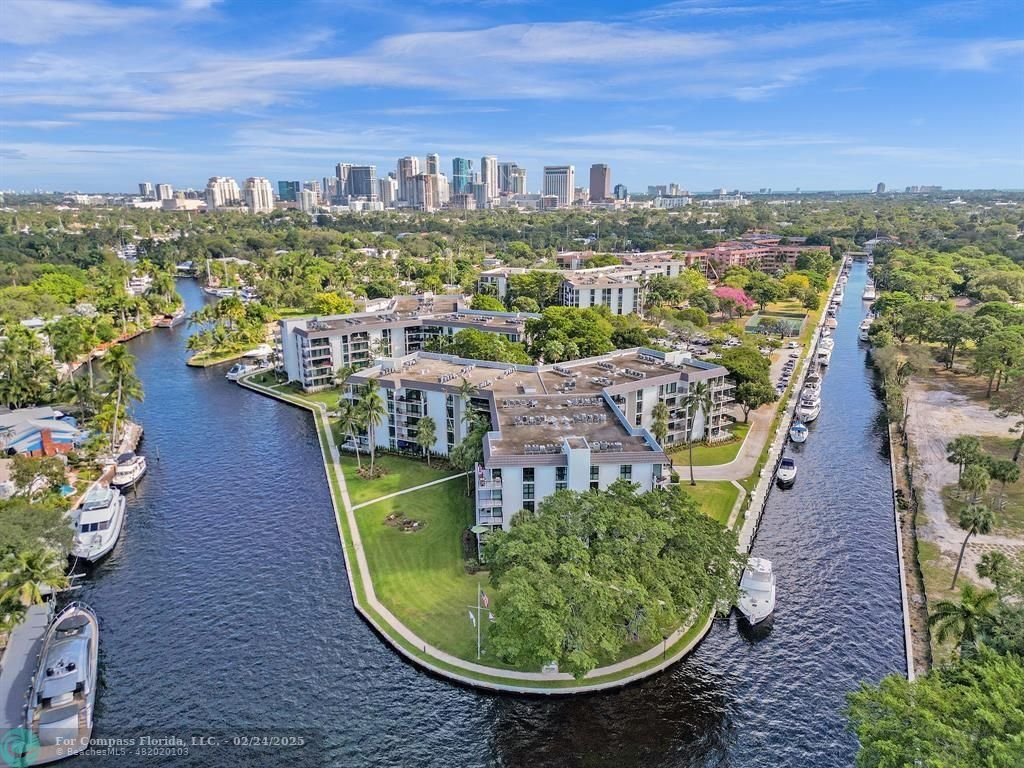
(30, 22)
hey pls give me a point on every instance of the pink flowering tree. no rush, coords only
(733, 300)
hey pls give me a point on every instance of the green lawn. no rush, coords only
(402, 473)
(420, 575)
(710, 455)
(716, 497)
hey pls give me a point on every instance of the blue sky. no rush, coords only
(838, 94)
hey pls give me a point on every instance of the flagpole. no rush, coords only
(479, 619)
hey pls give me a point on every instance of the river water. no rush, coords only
(225, 608)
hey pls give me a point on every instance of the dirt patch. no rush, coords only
(364, 472)
(403, 523)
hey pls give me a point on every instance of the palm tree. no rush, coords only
(466, 392)
(697, 400)
(80, 392)
(350, 421)
(660, 426)
(961, 620)
(426, 435)
(997, 568)
(25, 574)
(962, 451)
(121, 367)
(374, 412)
(976, 519)
(975, 481)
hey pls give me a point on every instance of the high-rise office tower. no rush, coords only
(560, 181)
(259, 195)
(479, 191)
(362, 182)
(621, 193)
(341, 173)
(506, 172)
(313, 186)
(288, 191)
(517, 181)
(164, 192)
(489, 175)
(462, 175)
(600, 183)
(433, 163)
(146, 189)
(880, 189)
(222, 191)
(408, 170)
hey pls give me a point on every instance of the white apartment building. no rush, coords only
(560, 181)
(164, 192)
(314, 350)
(222, 192)
(489, 176)
(259, 194)
(307, 200)
(578, 425)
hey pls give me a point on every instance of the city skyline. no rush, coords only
(98, 95)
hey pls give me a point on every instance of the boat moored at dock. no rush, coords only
(785, 475)
(757, 590)
(238, 370)
(62, 694)
(129, 470)
(171, 319)
(798, 432)
(97, 522)
(869, 292)
(809, 407)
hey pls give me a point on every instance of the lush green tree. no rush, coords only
(331, 303)
(27, 524)
(694, 315)
(480, 345)
(659, 427)
(697, 402)
(426, 435)
(525, 304)
(746, 364)
(961, 620)
(764, 289)
(588, 330)
(350, 422)
(26, 574)
(963, 450)
(488, 303)
(998, 353)
(975, 519)
(1005, 472)
(589, 573)
(975, 481)
(962, 716)
(1010, 404)
(751, 395)
(373, 411)
(952, 331)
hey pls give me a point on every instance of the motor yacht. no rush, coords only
(97, 522)
(171, 319)
(869, 292)
(62, 694)
(798, 432)
(757, 590)
(130, 468)
(824, 356)
(238, 370)
(785, 475)
(809, 407)
(865, 329)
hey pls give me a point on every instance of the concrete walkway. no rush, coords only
(408, 490)
(505, 680)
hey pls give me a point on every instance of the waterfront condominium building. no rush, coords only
(489, 175)
(312, 350)
(222, 192)
(259, 195)
(164, 192)
(408, 170)
(600, 183)
(462, 175)
(578, 425)
(362, 182)
(560, 181)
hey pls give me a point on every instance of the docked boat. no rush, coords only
(809, 407)
(170, 320)
(869, 292)
(785, 475)
(238, 370)
(832, 323)
(130, 468)
(798, 432)
(757, 590)
(97, 522)
(62, 694)
(824, 356)
(865, 329)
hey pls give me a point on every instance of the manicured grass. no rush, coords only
(937, 572)
(402, 473)
(206, 359)
(420, 575)
(716, 497)
(711, 455)
(328, 397)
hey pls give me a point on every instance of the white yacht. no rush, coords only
(798, 432)
(865, 328)
(98, 521)
(824, 356)
(130, 468)
(786, 473)
(757, 590)
(238, 370)
(809, 407)
(62, 694)
(869, 292)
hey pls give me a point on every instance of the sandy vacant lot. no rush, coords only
(936, 417)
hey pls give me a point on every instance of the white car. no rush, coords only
(793, 345)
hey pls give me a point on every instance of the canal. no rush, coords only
(225, 609)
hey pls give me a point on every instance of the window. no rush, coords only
(528, 474)
(528, 487)
(529, 506)
(595, 477)
(626, 471)
(561, 477)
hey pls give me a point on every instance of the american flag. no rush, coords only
(485, 599)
